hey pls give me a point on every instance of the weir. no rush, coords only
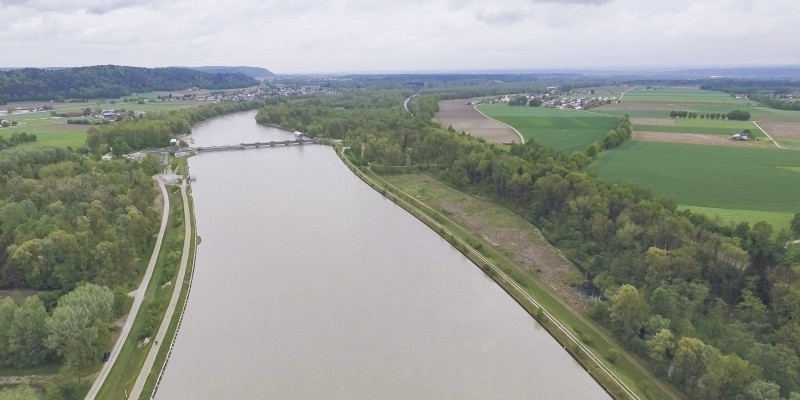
(256, 145)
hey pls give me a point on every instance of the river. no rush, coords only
(310, 285)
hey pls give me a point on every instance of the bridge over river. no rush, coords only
(256, 145)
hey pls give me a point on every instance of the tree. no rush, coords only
(690, 361)
(629, 309)
(76, 323)
(660, 346)
(727, 376)
(27, 334)
(7, 309)
(795, 225)
(760, 390)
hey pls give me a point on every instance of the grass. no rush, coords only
(703, 126)
(504, 271)
(778, 220)
(708, 176)
(131, 358)
(658, 103)
(46, 369)
(161, 358)
(563, 130)
(55, 132)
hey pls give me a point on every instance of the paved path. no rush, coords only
(405, 103)
(158, 341)
(137, 300)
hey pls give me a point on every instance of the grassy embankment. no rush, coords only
(163, 352)
(587, 342)
(131, 358)
(562, 130)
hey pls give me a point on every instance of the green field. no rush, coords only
(747, 183)
(778, 220)
(658, 103)
(708, 176)
(55, 132)
(563, 130)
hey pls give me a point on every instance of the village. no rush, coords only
(555, 98)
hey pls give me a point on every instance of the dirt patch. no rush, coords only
(516, 238)
(18, 295)
(781, 129)
(16, 380)
(691, 138)
(463, 116)
(653, 121)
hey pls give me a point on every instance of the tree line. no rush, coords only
(700, 302)
(17, 138)
(108, 81)
(156, 130)
(735, 115)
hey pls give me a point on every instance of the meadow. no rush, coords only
(563, 130)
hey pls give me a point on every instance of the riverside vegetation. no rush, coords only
(711, 309)
(77, 232)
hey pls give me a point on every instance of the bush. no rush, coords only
(612, 355)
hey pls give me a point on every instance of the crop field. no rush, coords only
(643, 103)
(563, 130)
(719, 177)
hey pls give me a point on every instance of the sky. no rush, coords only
(339, 36)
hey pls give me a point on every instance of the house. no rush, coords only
(740, 136)
(173, 143)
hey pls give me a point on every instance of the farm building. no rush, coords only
(740, 136)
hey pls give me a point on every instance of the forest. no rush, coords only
(77, 231)
(108, 81)
(713, 309)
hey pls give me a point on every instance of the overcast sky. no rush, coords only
(302, 36)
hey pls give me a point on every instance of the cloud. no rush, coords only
(590, 2)
(72, 6)
(414, 35)
(499, 18)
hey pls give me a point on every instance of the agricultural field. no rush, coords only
(690, 160)
(563, 130)
(734, 183)
(55, 132)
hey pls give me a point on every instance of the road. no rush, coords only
(405, 103)
(158, 341)
(137, 300)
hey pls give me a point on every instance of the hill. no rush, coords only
(253, 72)
(108, 81)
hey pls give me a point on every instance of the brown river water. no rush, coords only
(310, 285)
